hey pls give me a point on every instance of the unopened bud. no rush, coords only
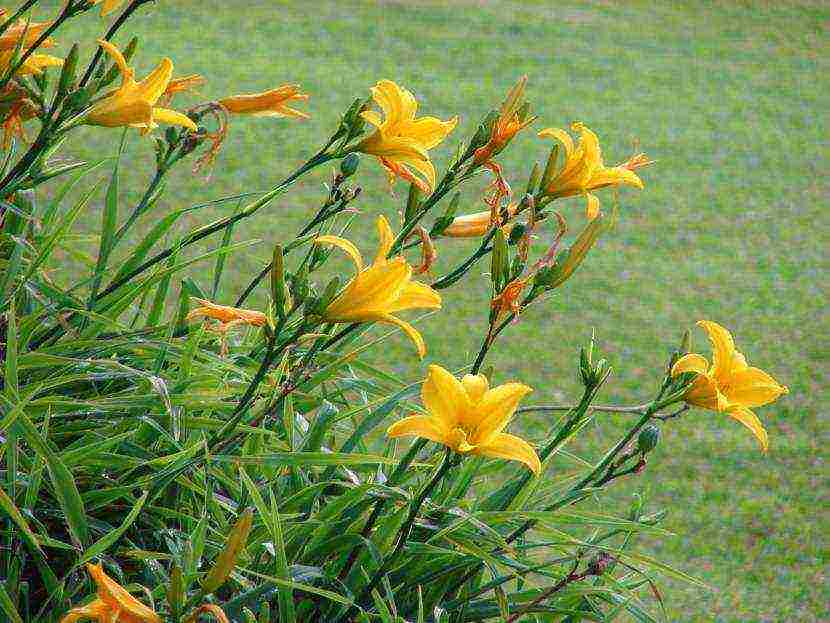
(248, 616)
(648, 439)
(226, 561)
(70, 64)
(550, 167)
(175, 590)
(499, 261)
(332, 288)
(686, 342)
(413, 202)
(348, 166)
(533, 180)
(599, 564)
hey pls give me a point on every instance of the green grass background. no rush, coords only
(730, 98)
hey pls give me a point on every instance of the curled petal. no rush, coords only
(690, 363)
(723, 347)
(165, 115)
(562, 136)
(510, 447)
(119, 599)
(411, 332)
(751, 421)
(120, 61)
(344, 245)
(386, 238)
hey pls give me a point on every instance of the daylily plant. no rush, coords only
(377, 292)
(729, 385)
(469, 417)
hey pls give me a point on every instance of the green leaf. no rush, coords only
(8, 607)
(106, 541)
(310, 459)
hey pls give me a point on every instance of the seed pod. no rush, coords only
(226, 561)
(648, 439)
(349, 164)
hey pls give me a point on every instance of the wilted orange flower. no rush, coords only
(23, 35)
(729, 385)
(507, 125)
(134, 103)
(18, 112)
(508, 299)
(584, 171)
(469, 417)
(181, 85)
(401, 142)
(227, 316)
(384, 288)
(114, 604)
(271, 103)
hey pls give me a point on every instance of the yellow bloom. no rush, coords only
(35, 64)
(378, 291)
(226, 316)
(729, 385)
(268, 103)
(112, 605)
(469, 417)
(507, 125)
(401, 142)
(584, 171)
(108, 6)
(134, 103)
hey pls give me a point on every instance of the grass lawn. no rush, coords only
(727, 97)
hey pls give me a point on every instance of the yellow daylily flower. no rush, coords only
(34, 64)
(108, 6)
(728, 385)
(134, 103)
(584, 171)
(378, 291)
(226, 316)
(268, 103)
(114, 604)
(469, 417)
(507, 125)
(401, 142)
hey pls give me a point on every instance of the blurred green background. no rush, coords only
(730, 99)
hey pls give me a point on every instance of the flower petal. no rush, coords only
(562, 136)
(592, 207)
(506, 446)
(386, 239)
(411, 332)
(723, 347)
(120, 61)
(476, 385)
(119, 599)
(690, 363)
(155, 84)
(751, 421)
(752, 387)
(425, 426)
(444, 397)
(415, 295)
(165, 115)
(704, 393)
(344, 245)
(495, 409)
(428, 131)
(371, 293)
(96, 610)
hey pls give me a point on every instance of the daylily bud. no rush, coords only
(567, 263)
(550, 167)
(686, 342)
(499, 262)
(524, 111)
(348, 166)
(70, 64)
(332, 288)
(413, 202)
(533, 180)
(175, 590)
(440, 225)
(516, 233)
(278, 282)
(248, 616)
(648, 439)
(226, 561)
(265, 613)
